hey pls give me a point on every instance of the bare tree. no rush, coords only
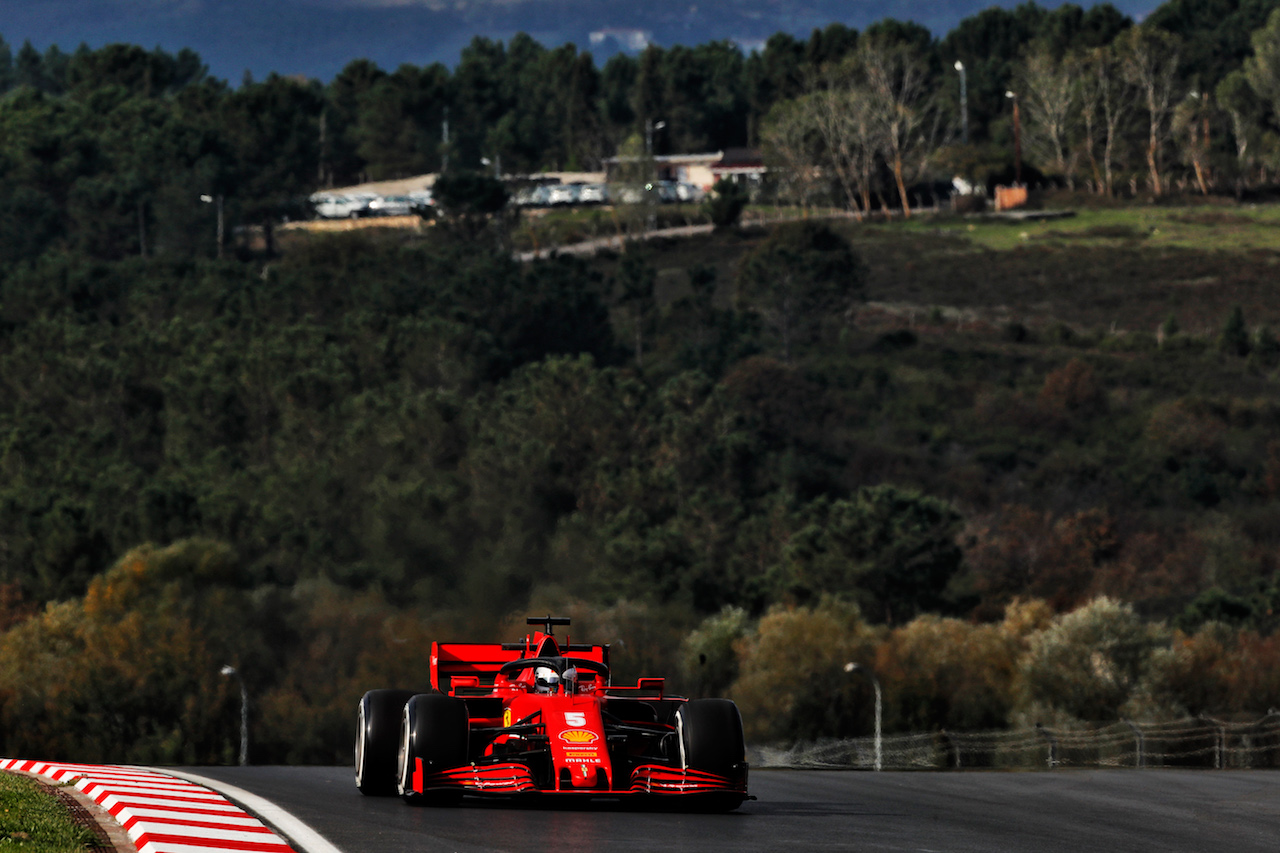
(1191, 128)
(1106, 100)
(791, 141)
(1050, 96)
(1238, 100)
(1149, 60)
(827, 134)
(895, 77)
(845, 119)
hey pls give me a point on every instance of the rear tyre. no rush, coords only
(378, 739)
(433, 730)
(711, 740)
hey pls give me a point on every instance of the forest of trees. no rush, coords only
(108, 151)
(308, 461)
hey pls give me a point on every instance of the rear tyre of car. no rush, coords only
(378, 740)
(711, 740)
(433, 730)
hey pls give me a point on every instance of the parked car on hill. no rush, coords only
(593, 194)
(688, 192)
(532, 196)
(391, 205)
(561, 194)
(340, 206)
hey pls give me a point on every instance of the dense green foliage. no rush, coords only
(370, 442)
(809, 445)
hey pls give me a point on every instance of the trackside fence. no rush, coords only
(1191, 742)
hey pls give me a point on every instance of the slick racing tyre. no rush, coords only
(378, 739)
(433, 729)
(711, 740)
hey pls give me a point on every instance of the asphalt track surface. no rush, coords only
(1095, 810)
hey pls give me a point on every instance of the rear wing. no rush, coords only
(482, 661)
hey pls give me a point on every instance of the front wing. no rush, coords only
(508, 778)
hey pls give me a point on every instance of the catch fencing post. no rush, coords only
(1053, 744)
(1140, 746)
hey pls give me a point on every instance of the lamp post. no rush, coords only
(649, 127)
(964, 103)
(875, 683)
(217, 200)
(1017, 138)
(244, 714)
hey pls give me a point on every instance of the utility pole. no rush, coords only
(444, 158)
(217, 201)
(1017, 138)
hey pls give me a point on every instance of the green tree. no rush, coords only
(272, 129)
(635, 295)
(795, 280)
(469, 194)
(793, 649)
(726, 203)
(339, 122)
(1215, 34)
(1233, 339)
(709, 657)
(1090, 663)
(892, 551)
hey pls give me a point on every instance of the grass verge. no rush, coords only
(33, 821)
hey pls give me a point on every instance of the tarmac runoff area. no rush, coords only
(158, 812)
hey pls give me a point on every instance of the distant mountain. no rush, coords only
(318, 37)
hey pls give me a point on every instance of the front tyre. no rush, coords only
(433, 730)
(711, 741)
(378, 739)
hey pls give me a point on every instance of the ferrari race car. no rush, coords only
(539, 718)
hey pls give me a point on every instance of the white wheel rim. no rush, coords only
(402, 756)
(360, 735)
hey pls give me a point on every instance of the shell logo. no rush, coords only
(579, 736)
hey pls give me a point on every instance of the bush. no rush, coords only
(1090, 662)
(726, 203)
(793, 684)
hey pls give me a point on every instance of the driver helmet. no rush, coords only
(546, 679)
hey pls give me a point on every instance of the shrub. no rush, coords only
(725, 204)
(793, 685)
(1088, 663)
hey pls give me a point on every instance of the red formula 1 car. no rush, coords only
(538, 718)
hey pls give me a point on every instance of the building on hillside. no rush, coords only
(740, 165)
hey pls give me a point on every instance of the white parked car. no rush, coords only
(626, 194)
(535, 196)
(564, 194)
(391, 205)
(686, 191)
(593, 194)
(337, 206)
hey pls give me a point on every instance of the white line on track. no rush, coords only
(303, 838)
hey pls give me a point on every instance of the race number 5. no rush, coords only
(574, 719)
